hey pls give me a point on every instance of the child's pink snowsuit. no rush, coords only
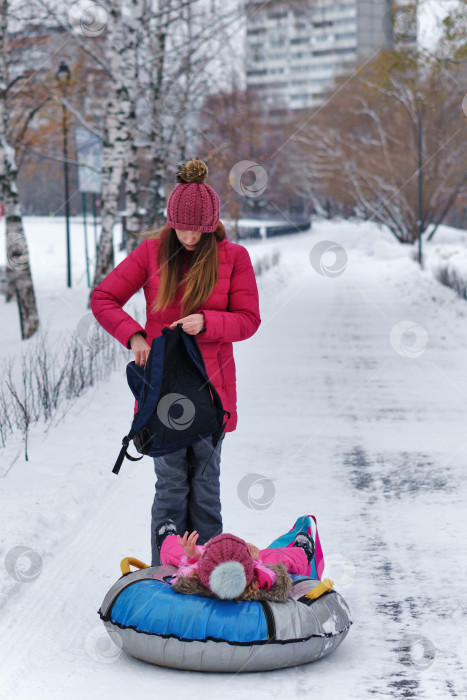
(294, 558)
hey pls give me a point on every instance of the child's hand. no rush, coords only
(188, 543)
(254, 551)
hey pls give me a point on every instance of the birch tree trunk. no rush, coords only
(135, 28)
(18, 270)
(132, 179)
(124, 18)
(155, 200)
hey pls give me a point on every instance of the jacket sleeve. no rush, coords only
(242, 318)
(108, 298)
(265, 575)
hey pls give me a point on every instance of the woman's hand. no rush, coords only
(140, 348)
(192, 324)
(188, 543)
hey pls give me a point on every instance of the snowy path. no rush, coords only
(371, 442)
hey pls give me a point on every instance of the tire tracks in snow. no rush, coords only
(385, 489)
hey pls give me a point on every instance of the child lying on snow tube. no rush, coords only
(229, 568)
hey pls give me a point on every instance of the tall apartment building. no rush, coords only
(295, 49)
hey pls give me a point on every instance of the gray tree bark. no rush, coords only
(124, 20)
(19, 276)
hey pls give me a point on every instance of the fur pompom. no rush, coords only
(194, 170)
(228, 580)
(279, 590)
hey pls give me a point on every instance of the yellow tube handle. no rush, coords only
(323, 587)
(127, 561)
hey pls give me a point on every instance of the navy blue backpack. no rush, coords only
(177, 404)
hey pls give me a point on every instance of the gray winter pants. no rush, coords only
(190, 499)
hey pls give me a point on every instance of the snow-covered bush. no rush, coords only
(453, 278)
(266, 261)
(43, 383)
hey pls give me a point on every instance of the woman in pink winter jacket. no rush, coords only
(191, 274)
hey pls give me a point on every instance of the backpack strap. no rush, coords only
(152, 378)
(218, 434)
(123, 453)
(194, 352)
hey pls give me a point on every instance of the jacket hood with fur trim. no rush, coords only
(278, 592)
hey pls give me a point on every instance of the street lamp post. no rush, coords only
(420, 187)
(63, 77)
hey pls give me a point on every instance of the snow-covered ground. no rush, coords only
(448, 252)
(352, 398)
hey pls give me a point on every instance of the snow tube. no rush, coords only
(149, 620)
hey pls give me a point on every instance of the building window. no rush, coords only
(346, 35)
(274, 56)
(277, 15)
(322, 66)
(331, 52)
(323, 23)
(345, 20)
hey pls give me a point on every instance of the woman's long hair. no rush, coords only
(202, 275)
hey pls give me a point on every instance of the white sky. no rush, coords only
(431, 14)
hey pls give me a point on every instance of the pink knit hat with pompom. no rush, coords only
(192, 205)
(226, 566)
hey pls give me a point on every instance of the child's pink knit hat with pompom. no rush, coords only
(226, 566)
